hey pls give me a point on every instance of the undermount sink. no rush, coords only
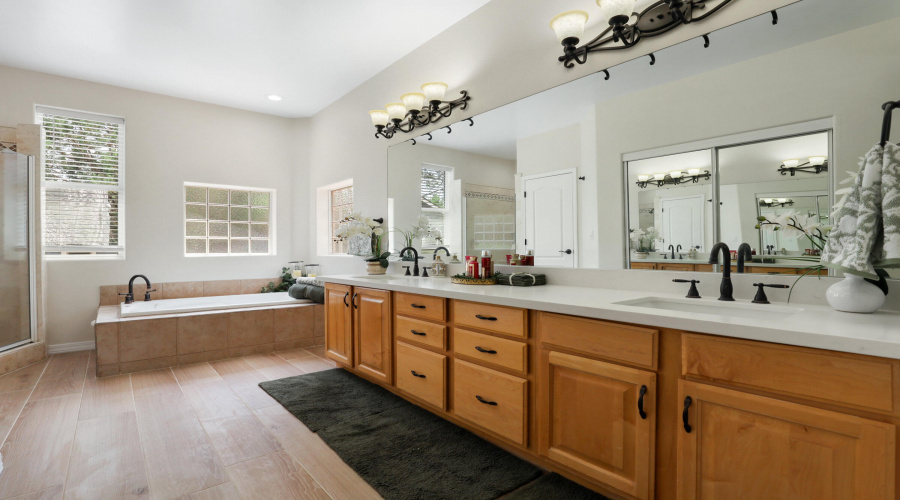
(738, 309)
(386, 277)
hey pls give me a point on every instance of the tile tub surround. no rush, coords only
(816, 326)
(126, 345)
(109, 294)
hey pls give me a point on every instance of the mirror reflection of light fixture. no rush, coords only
(627, 28)
(780, 202)
(675, 177)
(815, 165)
(417, 110)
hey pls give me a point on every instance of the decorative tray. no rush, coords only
(465, 280)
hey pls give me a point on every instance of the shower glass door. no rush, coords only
(16, 244)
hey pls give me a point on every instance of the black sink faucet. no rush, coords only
(129, 297)
(415, 259)
(726, 289)
(436, 251)
(744, 255)
(672, 248)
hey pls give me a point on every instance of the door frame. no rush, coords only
(565, 171)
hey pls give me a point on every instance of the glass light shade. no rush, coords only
(782, 200)
(413, 100)
(569, 24)
(434, 91)
(676, 174)
(643, 178)
(612, 8)
(817, 160)
(659, 177)
(694, 172)
(791, 163)
(379, 117)
(396, 110)
(767, 201)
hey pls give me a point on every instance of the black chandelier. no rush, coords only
(627, 28)
(773, 202)
(815, 165)
(674, 178)
(416, 110)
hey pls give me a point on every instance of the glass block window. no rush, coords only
(341, 207)
(495, 232)
(222, 220)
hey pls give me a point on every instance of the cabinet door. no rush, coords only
(592, 422)
(338, 324)
(372, 333)
(747, 447)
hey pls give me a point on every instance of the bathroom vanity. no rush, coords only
(637, 396)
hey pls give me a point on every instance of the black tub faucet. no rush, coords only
(672, 248)
(726, 290)
(129, 297)
(415, 259)
(744, 255)
(436, 252)
(679, 252)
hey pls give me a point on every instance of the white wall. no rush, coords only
(168, 141)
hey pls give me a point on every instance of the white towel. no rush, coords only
(867, 226)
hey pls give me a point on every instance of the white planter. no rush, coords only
(641, 255)
(855, 294)
(375, 268)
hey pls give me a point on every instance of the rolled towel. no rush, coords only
(298, 291)
(309, 292)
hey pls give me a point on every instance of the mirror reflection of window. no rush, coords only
(433, 189)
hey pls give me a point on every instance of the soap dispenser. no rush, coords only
(438, 267)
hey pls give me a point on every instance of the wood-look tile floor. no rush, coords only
(204, 431)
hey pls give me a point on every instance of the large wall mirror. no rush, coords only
(558, 173)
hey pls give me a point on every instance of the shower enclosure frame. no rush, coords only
(31, 239)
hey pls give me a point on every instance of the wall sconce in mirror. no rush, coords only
(776, 202)
(417, 110)
(676, 177)
(626, 27)
(815, 165)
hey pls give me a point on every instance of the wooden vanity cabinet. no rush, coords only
(358, 330)
(737, 445)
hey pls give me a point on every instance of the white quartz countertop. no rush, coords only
(817, 326)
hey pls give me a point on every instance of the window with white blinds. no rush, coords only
(84, 182)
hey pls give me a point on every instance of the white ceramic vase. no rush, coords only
(641, 255)
(855, 294)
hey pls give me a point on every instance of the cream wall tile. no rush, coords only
(182, 289)
(319, 330)
(147, 339)
(109, 295)
(221, 287)
(250, 328)
(255, 286)
(207, 332)
(107, 341)
(293, 323)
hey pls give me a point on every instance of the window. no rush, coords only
(84, 182)
(433, 187)
(227, 220)
(341, 206)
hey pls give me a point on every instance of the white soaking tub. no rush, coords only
(177, 306)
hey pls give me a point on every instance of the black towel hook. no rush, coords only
(774, 17)
(606, 72)
(888, 108)
(652, 59)
(449, 130)
(471, 122)
(706, 41)
(429, 136)
(414, 142)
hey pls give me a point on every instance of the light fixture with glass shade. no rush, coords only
(814, 165)
(778, 202)
(417, 110)
(625, 28)
(674, 177)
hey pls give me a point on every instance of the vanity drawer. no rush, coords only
(665, 266)
(421, 332)
(491, 350)
(422, 374)
(837, 378)
(420, 306)
(500, 319)
(633, 345)
(490, 399)
(772, 270)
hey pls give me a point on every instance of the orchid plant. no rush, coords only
(355, 225)
(421, 229)
(645, 240)
(795, 225)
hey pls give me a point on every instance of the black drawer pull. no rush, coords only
(641, 411)
(421, 334)
(416, 374)
(486, 318)
(417, 306)
(486, 351)
(485, 401)
(684, 415)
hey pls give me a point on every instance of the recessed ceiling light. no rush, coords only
(273, 97)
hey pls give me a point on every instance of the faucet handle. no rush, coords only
(761, 293)
(407, 271)
(147, 295)
(693, 293)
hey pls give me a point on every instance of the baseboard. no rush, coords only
(71, 347)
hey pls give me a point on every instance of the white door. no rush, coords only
(551, 218)
(682, 222)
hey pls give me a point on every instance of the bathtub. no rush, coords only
(195, 304)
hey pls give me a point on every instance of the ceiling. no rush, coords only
(497, 131)
(228, 52)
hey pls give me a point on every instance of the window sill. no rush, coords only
(81, 258)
